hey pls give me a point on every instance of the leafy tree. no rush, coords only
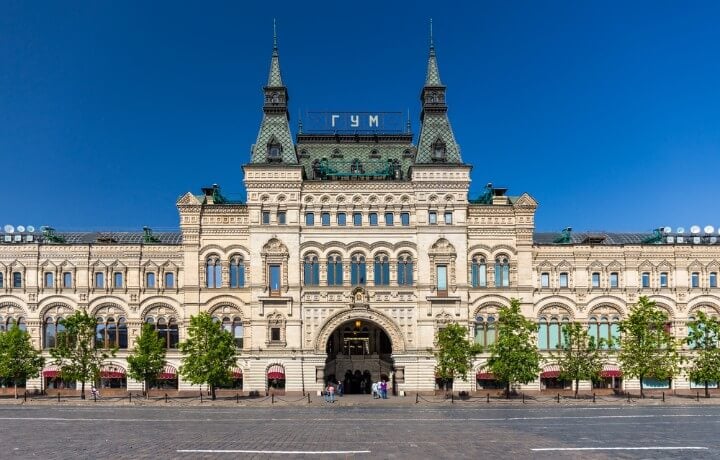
(19, 360)
(703, 339)
(147, 359)
(455, 352)
(209, 352)
(580, 357)
(514, 357)
(646, 347)
(76, 353)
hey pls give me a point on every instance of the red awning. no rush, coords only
(276, 372)
(51, 372)
(485, 376)
(236, 373)
(550, 372)
(112, 372)
(169, 373)
(610, 370)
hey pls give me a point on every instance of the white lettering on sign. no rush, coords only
(334, 117)
(354, 121)
(373, 120)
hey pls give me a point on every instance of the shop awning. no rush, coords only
(276, 372)
(550, 372)
(485, 376)
(610, 370)
(169, 373)
(51, 372)
(236, 373)
(112, 372)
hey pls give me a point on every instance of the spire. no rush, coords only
(275, 79)
(433, 74)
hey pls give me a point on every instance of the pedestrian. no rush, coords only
(340, 389)
(375, 390)
(94, 392)
(330, 393)
(362, 386)
(383, 389)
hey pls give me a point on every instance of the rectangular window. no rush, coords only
(99, 280)
(563, 280)
(544, 280)
(442, 287)
(664, 279)
(275, 280)
(695, 279)
(448, 217)
(117, 279)
(613, 280)
(67, 279)
(150, 280)
(405, 219)
(357, 219)
(49, 280)
(341, 219)
(169, 280)
(266, 217)
(646, 279)
(282, 218)
(309, 219)
(17, 279)
(275, 334)
(432, 217)
(713, 280)
(389, 219)
(372, 217)
(596, 279)
(325, 219)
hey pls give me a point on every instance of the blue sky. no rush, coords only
(608, 113)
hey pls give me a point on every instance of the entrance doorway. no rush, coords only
(359, 352)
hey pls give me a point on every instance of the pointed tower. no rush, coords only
(436, 144)
(274, 142)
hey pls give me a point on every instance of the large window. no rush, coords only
(485, 330)
(442, 280)
(235, 327)
(111, 332)
(169, 280)
(605, 330)
(51, 328)
(614, 280)
(117, 280)
(67, 280)
(595, 279)
(646, 279)
(99, 280)
(150, 280)
(695, 279)
(357, 269)
(663, 280)
(550, 335)
(213, 272)
(478, 272)
(7, 323)
(502, 271)
(275, 277)
(564, 280)
(382, 270)
(49, 280)
(237, 272)
(545, 279)
(17, 280)
(405, 270)
(166, 329)
(311, 270)
(334, 270)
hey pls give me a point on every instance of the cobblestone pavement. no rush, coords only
(347, 431)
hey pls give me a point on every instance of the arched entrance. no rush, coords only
(359, 352)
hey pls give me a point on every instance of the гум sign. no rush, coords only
(389, 122)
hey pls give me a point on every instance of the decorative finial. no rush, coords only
(408, 126)
(274, 36)
(432, 44)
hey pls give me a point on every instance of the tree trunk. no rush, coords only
(16, 395)
(212, 392)
(147, 389)
(642, 394)
(82, 390)
(577, 387)
(707, 391)
(507, 390)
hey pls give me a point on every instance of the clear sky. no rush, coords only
(607, 112)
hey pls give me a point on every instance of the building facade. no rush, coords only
(352, 249)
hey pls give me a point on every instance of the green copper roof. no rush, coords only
(275, 128)
(436, 127)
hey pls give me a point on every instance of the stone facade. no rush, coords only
(284, 270)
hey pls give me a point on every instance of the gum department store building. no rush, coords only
(354, 247)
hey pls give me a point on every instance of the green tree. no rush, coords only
(646, 347)
(703, 339)
(209, 353)
(19, 360)
(76, 353)
(455, 352)
(147, 359)
(580, 356)
(514, 357)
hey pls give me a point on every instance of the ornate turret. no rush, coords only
(274, 142)
(437, 142)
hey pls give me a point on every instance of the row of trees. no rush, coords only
(208, 354)
(646, 349)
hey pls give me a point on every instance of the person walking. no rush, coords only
(340, 389)
(330, 393)
(375, 390)
(383, 389)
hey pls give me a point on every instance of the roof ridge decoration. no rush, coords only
(436, 143)
(274, 142)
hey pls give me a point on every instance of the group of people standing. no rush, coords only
(333, 388)
(379, 389)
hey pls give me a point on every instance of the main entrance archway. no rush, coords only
(359, 352)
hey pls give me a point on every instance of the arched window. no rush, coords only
(334, 270)
(357, 269)
(166, 329)
(169, 280)
(49, 280)
(311, 270)
(150, 280)
(605, 330)
(478, 272)
(550, 336)
(275, 97)
(502, 271)
(439, 152)
(111, 333)
(237, 272)
(405, 270)
(382, 270)
(51, 328)
(213, 272)
(485, 330)
(238, 331)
